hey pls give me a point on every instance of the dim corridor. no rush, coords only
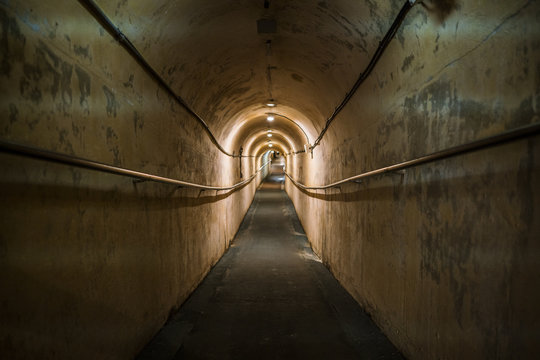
(270, 297)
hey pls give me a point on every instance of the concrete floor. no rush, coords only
(270, 297)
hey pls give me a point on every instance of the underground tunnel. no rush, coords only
(396, 140)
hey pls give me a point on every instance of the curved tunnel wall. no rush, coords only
(92, 264)
(443, 256)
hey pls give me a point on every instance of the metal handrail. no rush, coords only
(108, 25)
(407, 6)
(511, 135)
(37, 153)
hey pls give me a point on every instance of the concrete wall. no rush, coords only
(90, 263)
(445, 257)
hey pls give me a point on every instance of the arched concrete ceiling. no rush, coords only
(261, 138)
(280, 125)
(261, 147)
(214, 57)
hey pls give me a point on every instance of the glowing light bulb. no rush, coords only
(270, 145)
(270, 118)
(269, 135)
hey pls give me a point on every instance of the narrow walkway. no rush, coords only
(270, 297)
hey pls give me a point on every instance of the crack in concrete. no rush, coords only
(484, 40)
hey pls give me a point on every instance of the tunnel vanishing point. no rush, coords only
(134, 135)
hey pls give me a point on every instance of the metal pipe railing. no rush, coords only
(104, 20)
(364, 74)
(37, 153)
(511, 135)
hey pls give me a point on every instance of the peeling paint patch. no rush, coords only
(111, 101)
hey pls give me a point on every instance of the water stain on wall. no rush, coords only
(65, 86)
(458, 120)
(475, 116)
(12, 43)
(297, 77)
(523, 114)
(84, 88)
(441, 9)
(27, 85)
(83, 52)
(13, 113)
(407, 63)
(47, 74)
(112, 142)
(63, 141)
(524, 179)
(138, 121)
(129, 83)
(111, 101)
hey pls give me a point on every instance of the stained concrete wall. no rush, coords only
(445, 257)
(91, 264)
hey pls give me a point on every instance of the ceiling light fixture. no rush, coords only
(271, 103)
(270, 118)
(269, 135)
(270, 145)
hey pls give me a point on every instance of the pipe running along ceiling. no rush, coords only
(228, 59)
